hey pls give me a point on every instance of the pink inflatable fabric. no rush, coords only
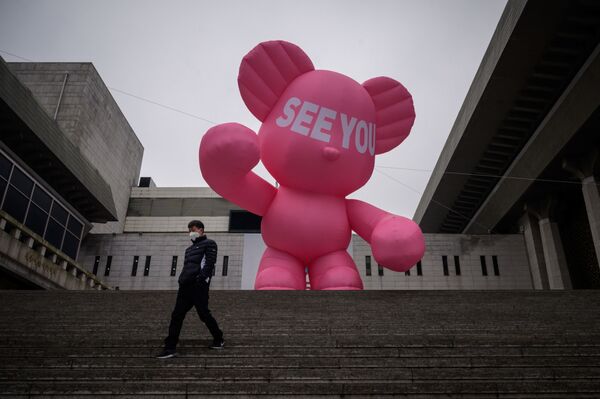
(319, 136)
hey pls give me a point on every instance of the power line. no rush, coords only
(162, 105)
(486, 175)
(378, 167)
(134, 96)
(17, 56)
(433, 200)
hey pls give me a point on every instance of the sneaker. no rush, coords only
(166, 354)
(217, 344)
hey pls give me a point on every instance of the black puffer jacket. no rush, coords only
(199, 261)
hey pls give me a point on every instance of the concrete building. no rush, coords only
(148, 255)
(80, 103)
(522, 156)
(68, 158)
(513, 202)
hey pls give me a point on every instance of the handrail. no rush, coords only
(61, 257)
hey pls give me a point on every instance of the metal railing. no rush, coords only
(48, 251)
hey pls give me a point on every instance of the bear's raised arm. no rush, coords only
(396, 242)
(228, 152)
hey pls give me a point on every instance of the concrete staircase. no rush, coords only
(448, 344)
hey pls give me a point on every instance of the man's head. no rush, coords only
(196, 226)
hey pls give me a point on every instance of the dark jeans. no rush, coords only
(189, 295)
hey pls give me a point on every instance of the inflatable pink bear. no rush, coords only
(319, 136)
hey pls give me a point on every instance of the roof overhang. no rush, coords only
(532, 71)
(33, 136)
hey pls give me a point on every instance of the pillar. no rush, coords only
(555, 260)
(591, 196)
(585, 168)
(554, 256)
(535, 251)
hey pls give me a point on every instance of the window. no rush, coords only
(5, 166)
(241, 221)
(74, 226)
(174, 266)
(15, 204)
(96, 263)
(36, 219)
(419, 269)
(225, 265)
(41, 199)
(70, 245)
(380, 270)
(108, 263)
(445, 264)
(495, 265)
(54, 233)
(368, 265)
(407, 273)
(31, 205)
(457, 265)
(483, 265)
(147, 265)
(59, 213)
(136, 260)
(3, 185)
(21, 181)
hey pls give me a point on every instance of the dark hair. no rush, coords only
(196, 223)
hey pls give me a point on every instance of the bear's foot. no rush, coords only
(334, 271)
(279, 270)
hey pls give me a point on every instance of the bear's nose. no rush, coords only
(331, 153)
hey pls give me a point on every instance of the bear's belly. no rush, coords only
(306, 225)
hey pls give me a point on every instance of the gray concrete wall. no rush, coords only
(245, 250)
(509, 250)
(92, 120)
(162, 247)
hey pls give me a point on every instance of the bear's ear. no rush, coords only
(266, 71)
(394, 112)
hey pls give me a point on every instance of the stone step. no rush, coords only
(232, 349)
(186, 360)
(190, 337)
(171, 374)
(479, 389)
(418, 344)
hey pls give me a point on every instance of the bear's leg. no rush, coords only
(334, 271)
(279, 270)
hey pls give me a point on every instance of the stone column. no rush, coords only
(535, 251)
(585, 168)
(554, 253)
(591, 195)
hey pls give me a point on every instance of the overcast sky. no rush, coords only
(186, 54)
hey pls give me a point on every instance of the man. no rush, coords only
(194, 282)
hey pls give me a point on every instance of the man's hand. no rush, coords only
(201, 277)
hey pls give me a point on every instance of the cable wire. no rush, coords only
(488, 229)
(487, 175)
(134, 96)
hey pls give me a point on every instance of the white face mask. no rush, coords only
(194, 235)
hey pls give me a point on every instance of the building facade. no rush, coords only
(513, 202)
(149, 253)
(58, 181)
(522, 156)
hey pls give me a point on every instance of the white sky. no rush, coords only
(186, 54)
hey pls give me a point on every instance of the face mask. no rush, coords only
(194, 235)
